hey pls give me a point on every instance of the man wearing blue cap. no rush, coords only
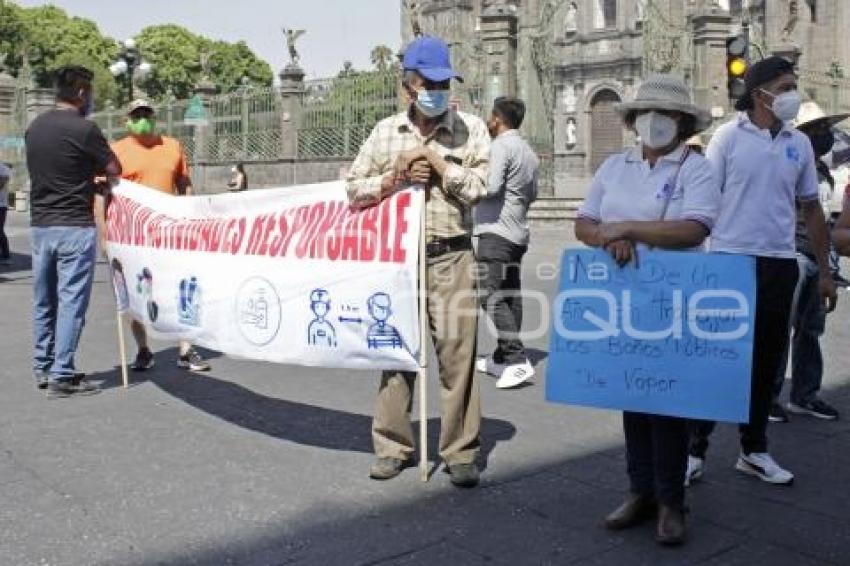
(446, 152)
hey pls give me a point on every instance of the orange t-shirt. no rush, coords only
(157, 166)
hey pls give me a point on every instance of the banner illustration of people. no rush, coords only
(284, 275)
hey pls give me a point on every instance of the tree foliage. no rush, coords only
(175, 53)
(52, 38)
(382, 57)
(49, 39)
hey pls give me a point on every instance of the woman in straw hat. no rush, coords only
(661, 194)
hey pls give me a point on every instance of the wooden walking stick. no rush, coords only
(122, 349)
(424, 466)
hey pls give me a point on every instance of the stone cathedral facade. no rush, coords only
(572, 60)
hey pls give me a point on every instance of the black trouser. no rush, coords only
(4, 241)
(657, 456)
(775, 282)
(808, 321)
(499, 262)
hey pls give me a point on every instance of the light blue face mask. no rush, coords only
(432, 103)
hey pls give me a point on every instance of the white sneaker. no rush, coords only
(488, 366)
(514, 375)
(696, 467)
(761, 465)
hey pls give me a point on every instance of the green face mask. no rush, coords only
(140, 127)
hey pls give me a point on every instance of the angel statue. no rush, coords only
(292, 36)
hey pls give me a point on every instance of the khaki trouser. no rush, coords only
(452, 317)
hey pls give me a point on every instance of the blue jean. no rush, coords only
(63, 264)
(808, 323)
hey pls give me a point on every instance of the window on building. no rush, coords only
(605, 14)
(813, 6)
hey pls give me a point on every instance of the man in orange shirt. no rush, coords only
(158, 162)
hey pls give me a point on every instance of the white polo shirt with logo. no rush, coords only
(760, 177)
(626, 188)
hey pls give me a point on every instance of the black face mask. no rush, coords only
(822, 143)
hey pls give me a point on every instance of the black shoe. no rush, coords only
(387, 468)
(777, 413)
(193, 361)
(816, 408)
(670, 530)
(635, 510)
(144, 360)
(464, 475)
(42, 378)
(840, 281)
(77, 388)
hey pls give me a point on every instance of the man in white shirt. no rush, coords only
(764, 164)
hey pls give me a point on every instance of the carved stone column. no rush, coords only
(291, 95)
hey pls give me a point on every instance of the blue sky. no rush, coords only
(336, 29)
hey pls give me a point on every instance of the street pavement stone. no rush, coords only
(262, 464)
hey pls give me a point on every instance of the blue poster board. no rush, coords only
(670, 336)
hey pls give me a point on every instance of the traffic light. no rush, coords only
(737, 63)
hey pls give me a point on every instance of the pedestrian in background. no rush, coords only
(501, 227)
(239, 180)
(765, 166)
(64, 154)
(5, 176)
(446, 152)
(159, 163)
(808, 314)
(660, 194)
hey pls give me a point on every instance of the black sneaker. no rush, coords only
(42, 377)
(193, 361)
(144, 360)
(777, 413)
(77, 388)
(840, 281)
(816, 408)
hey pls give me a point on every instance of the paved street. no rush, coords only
(259, 464)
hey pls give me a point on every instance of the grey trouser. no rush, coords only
(453, 321)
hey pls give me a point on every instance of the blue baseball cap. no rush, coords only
(429, 56)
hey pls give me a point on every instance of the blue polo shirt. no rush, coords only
(761, 177)
(626, 188)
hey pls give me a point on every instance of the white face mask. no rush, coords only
(786, 105)
(656, 130)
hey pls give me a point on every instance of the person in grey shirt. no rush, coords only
(502, 231)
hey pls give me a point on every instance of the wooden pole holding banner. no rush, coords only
(424, 467)
(122, 349)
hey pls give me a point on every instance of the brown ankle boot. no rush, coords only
(635, 510)
(671, 526)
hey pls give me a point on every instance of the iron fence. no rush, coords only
(12, 129)
(336, 117)
(339, 113)
(241, 126)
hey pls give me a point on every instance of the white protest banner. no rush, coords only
(291, 275)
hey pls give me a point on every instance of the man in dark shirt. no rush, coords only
(809, 316)
(64, 154)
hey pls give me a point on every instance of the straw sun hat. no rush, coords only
(811, 114)
(665, 92)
